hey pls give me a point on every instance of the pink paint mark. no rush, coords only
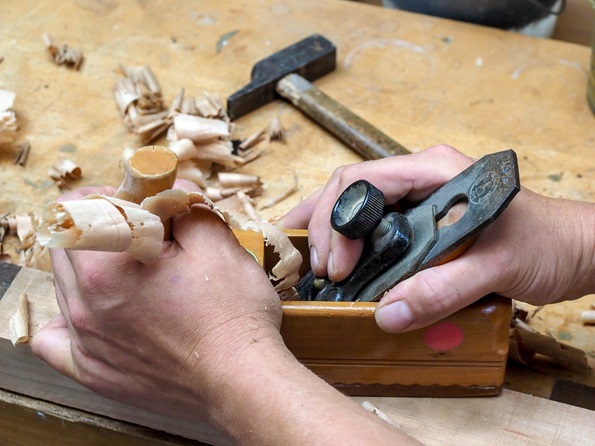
(443, 337)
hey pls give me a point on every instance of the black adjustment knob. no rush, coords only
(358, 210)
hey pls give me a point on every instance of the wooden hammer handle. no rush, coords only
(358, 134)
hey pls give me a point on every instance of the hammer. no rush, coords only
(287, 73)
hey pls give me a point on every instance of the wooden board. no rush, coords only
(27, 421)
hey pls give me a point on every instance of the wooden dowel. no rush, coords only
(150, 170)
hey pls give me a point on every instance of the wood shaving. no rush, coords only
(104, 223)
(63, 171)
(252, 140)
(18, 325)
(234, 179)
(588, 317)
(24, 149)
(63, 54)
(276, 131)
(140, 101)
(200, 130)
(373, 409)
(8, 119)
(101, 223)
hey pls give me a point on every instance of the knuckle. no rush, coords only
(438, 294)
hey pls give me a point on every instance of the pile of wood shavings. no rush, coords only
(23, 227)
(199, 131)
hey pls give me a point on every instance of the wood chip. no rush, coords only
(276, 130)
(19, 322)
(252, 140)
(24, 149)
(63, 171)
(373, 409)
(588, 317)
(63, 54)
(200, 130)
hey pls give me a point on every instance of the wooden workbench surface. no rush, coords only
(422, 80)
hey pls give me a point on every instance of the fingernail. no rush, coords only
(395, 316)
(313, 258)
(330, 268)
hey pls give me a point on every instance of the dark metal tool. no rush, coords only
(287, 72)
(399, 245)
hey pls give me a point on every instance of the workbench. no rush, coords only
(421, 80)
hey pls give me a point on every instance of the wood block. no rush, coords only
(462, 355)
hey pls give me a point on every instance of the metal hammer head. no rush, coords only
(311, 58)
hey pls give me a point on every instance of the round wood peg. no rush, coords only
(149, 170)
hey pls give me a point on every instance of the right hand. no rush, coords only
(541, 250)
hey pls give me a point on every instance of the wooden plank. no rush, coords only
(510, 419)
(27, 421)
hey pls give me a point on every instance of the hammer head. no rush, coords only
(311, 58)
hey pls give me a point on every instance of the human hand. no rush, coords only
(540, 250)
(166, 335)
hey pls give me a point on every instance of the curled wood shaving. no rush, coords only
(588, 317)
(63, 55)
(198, 129)
(276, 130)
(22, 225)
(18, 325)
(210, 105)
(24, 149)
(252, 140)
(8, 119)
(140, 101)
(285, 274)
(103, 223)
(235, 179)
(64, 170)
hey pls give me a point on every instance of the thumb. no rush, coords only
(52, 344)
(431, 295)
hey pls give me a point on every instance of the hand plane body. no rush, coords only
(402, 244)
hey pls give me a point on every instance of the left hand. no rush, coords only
(167, 335)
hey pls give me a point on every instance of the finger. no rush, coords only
(78, 194)
(94, 272)
(52, 344)
(411, 177)
(200, 230)
(64, 278)
(433, 294)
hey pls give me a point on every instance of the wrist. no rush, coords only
(269, 398)
(586, 250)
